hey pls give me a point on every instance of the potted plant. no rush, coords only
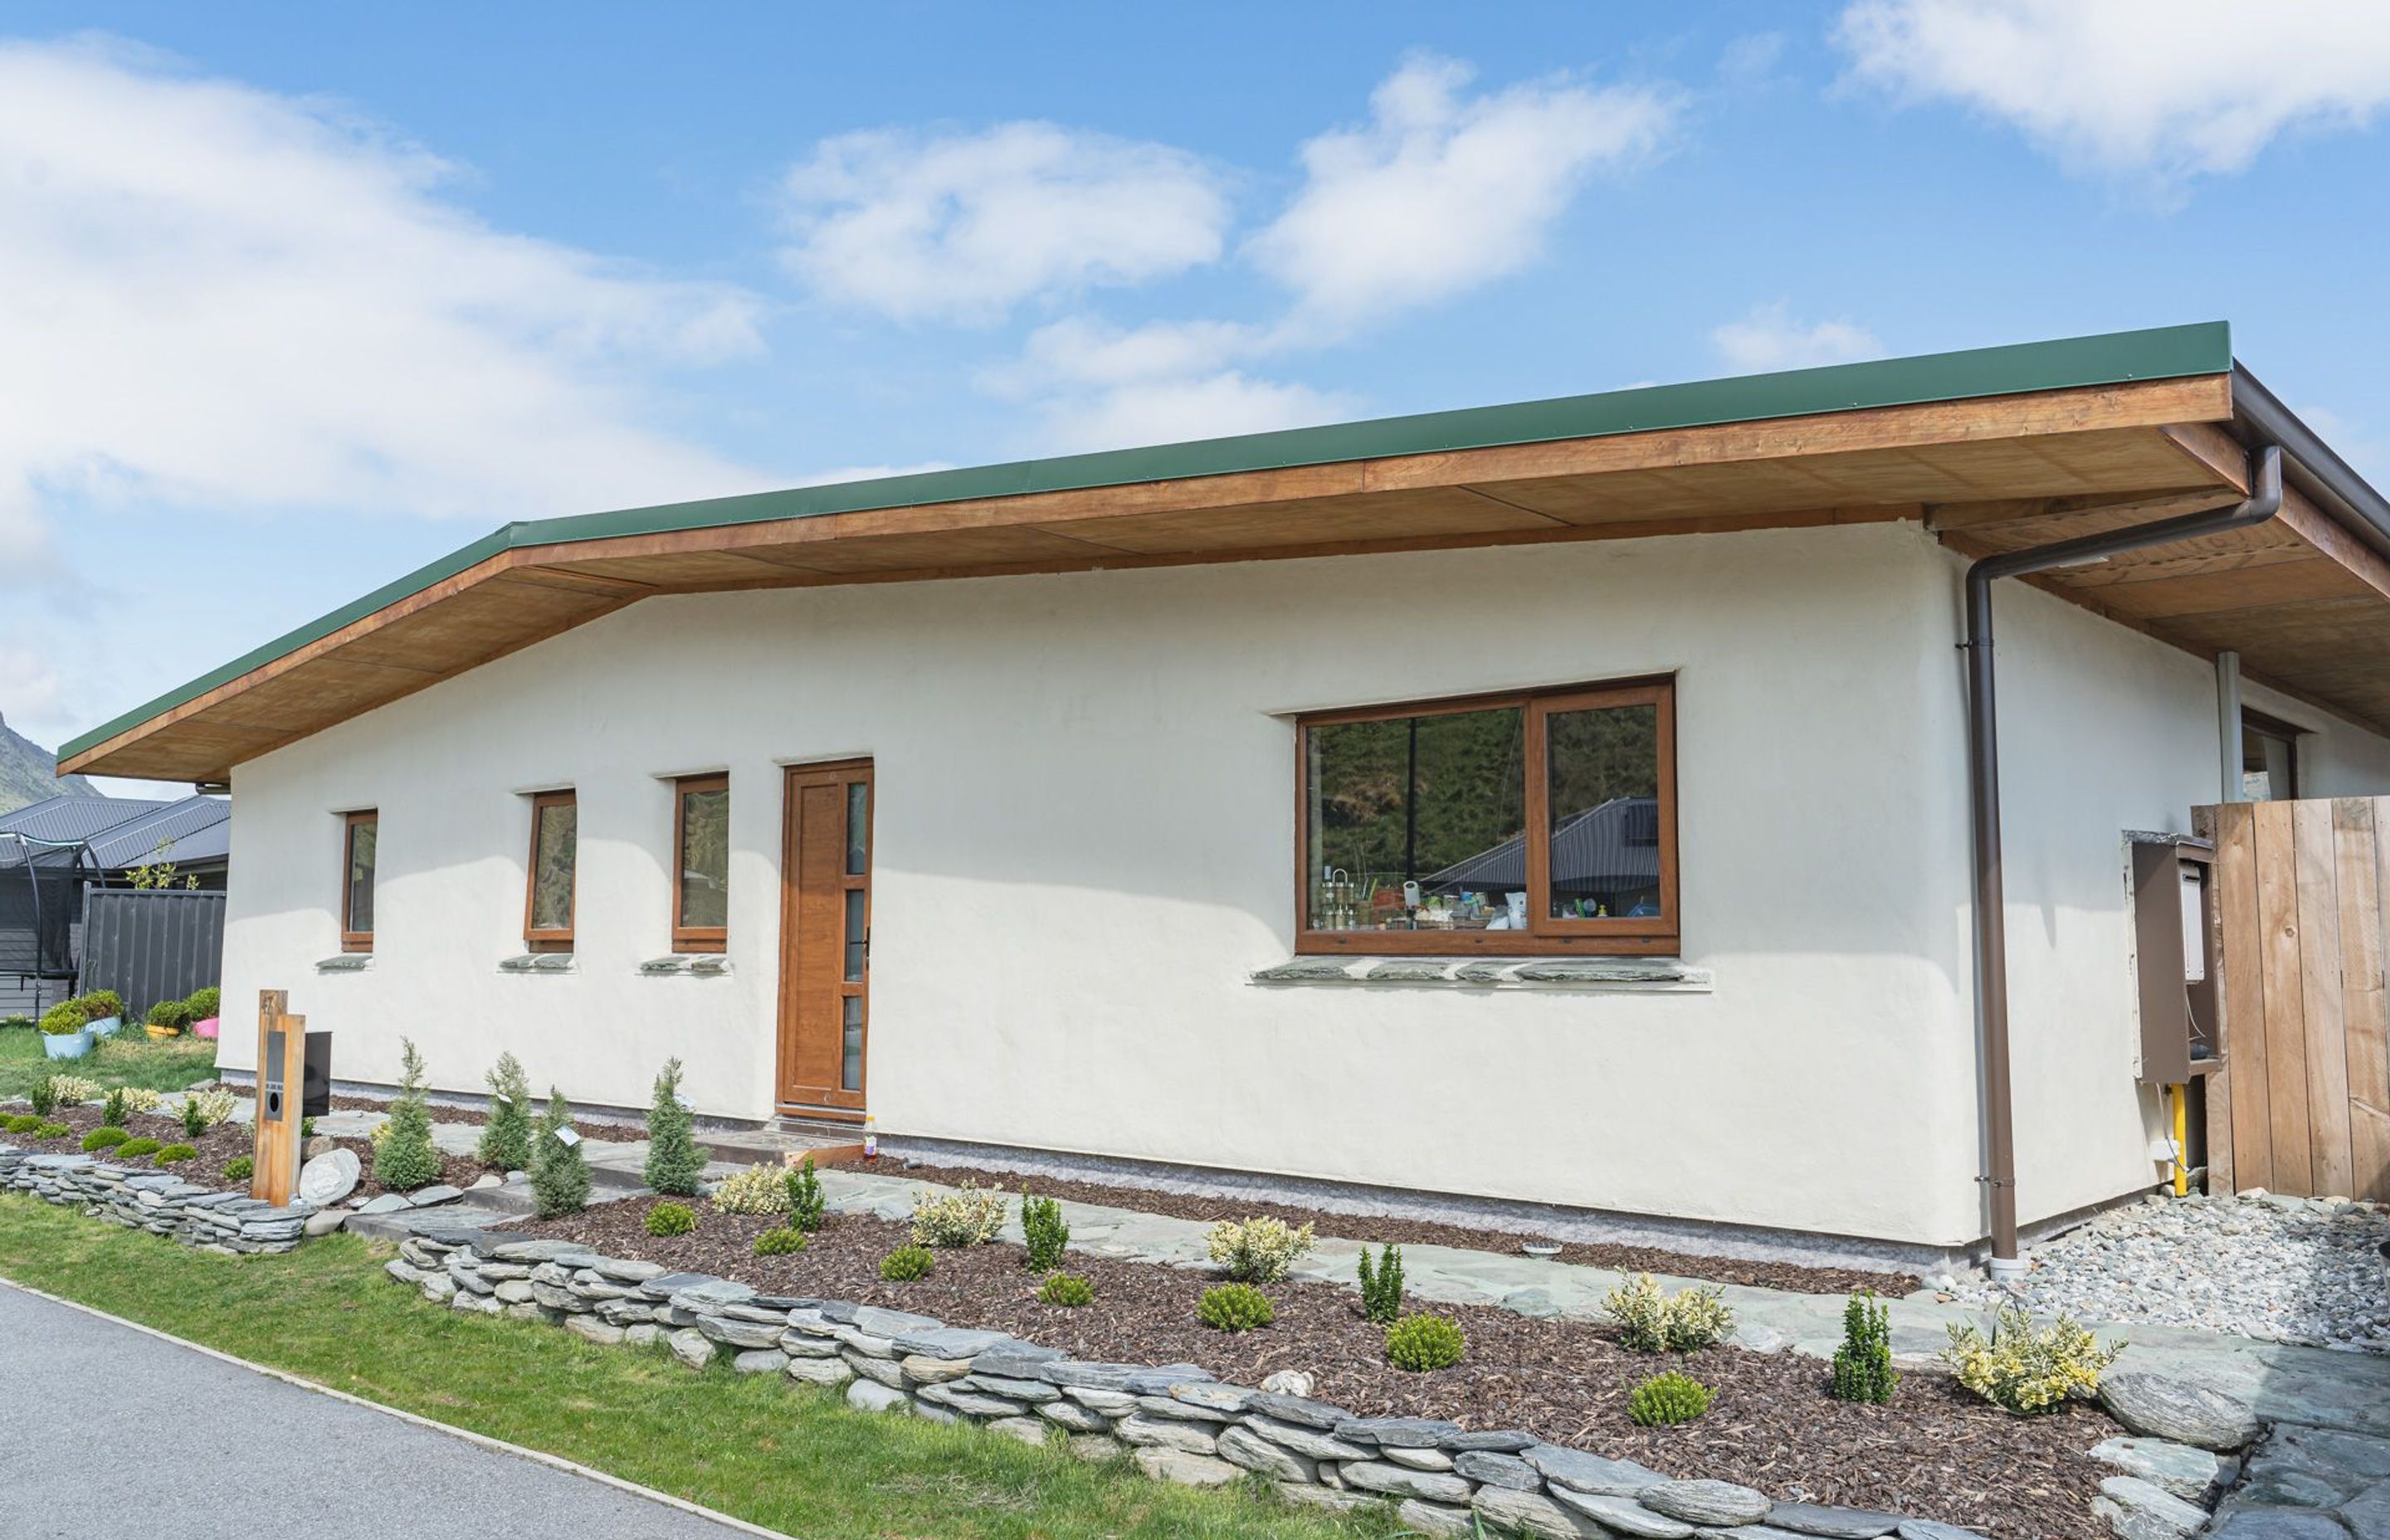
(167, 1018)
(66, 1032)
(106, 1010)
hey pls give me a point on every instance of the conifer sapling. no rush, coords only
(674, 1163)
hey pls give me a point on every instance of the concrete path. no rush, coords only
(243, 1455)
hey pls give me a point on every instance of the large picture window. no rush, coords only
(360, 835)
(702, 863)
(1533, 823)
(555, 848)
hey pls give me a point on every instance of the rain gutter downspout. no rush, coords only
(1983, 788)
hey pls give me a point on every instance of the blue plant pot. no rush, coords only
(106, 1026)
(72, 1045)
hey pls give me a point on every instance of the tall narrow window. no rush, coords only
(554, 841)
(357, 842)
(1543, 822)
(702, 863)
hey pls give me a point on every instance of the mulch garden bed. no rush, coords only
(1789, 1277)
(1934, 1452)
(217, 1148)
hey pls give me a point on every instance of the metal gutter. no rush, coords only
(2315, 469)
(2114, 358)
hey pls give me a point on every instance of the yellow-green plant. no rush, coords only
(1651, 1320)
(670, 1219)
(104, 1137)
(779, 1242)
(1234, 1308)
(1257, 1251)
(971, 1215)
(239, 1169)
(175, 1152)
(2024, 1367)
(908, 1264)
(1417, 1343)
(1667, 1399)
(1065, 1290)
(753, 1189)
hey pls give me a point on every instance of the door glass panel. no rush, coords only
(859, 826)
(850, 1069)
(856, 906)
(705, 859)
(1419, 822)
(1604, 791)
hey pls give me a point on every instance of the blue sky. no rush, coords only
(294, 299)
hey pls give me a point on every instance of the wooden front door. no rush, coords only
(826, 939)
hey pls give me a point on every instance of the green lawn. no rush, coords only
(128, 1058)
(787, 1456)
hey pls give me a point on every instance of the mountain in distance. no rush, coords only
(30, 772)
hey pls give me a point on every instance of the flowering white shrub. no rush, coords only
(140, 1099)
(753, 1189)
(1651, 1321)
(70, 1089)
(1257, 1251)
(971, 1216)
(215, 1105)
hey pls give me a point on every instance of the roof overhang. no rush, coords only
(1992, 448)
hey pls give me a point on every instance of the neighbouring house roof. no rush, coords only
(1992, 445)
(1612, 848)
(124, 831)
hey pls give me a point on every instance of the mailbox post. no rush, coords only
(281, 1070)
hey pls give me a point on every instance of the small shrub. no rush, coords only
(1417, 1343)
(59, 1130)
(1234, 1308)
(780, 1242)
(751, 1189)
(1863, 1368)
(1257, 1251)
(1063, 1288)
(100, 1003)
(205, 1002)
(171, 1013)
(23, 1122)
(1667, 1399)
(672, 1219)
(908, 1264)
(64, 1020)
(674, 1163)
(307, 1128)
(140, 1099)
(807, 1204)
(506, 1134)
(559, 1175)
(112, 1115)
(1382, 1287)
(104, 1138)
(44, 1097)
(195, 1118)
(214, 1107)
(240, 1168)
(1043, 1228)
(405, 1158)
(73, 1089)
(130, 1150)
(1650, 1321)
(2025, 1368)
(176, 1152)
(973, 1216)
(10, 1023)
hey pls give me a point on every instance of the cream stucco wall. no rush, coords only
(1085, 848)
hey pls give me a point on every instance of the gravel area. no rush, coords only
(2309, 1271)
(1789, 1277)
(1936, 1451)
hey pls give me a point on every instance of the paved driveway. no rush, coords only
(236, 1455)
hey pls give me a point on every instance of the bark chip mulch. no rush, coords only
(1935, 1452)
(218, 1148)
(1791, 1278)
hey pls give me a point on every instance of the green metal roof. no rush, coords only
(2165, 353)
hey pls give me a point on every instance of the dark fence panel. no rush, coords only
(152, 945)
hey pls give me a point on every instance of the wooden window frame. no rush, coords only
(552, 939)
(1544, 936)
(2289, 733)
(693, 938)
(352, 940)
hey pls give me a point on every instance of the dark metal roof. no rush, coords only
(65, 819)
(123, 832)
(1612, 848)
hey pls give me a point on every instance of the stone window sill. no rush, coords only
(347, 962)
(1600, 975)
(538, 962)
(700, 965)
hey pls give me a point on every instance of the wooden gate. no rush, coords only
(2302, 1103)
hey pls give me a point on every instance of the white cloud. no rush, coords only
(216, 296)
(30, 691)
(1439, 193)
(966, 226)
(2168, 88)
(1100, 387)
(1768, 338)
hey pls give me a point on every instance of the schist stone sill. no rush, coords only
(1603, 975)
(698, 964)
(347, 962)
(538, 962)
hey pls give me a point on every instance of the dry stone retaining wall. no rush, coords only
(157, 1201)
(1174, 1420)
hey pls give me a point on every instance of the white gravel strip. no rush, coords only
(2280, 1269)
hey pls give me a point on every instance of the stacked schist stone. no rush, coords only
(1174, 1420)
(157, 1201)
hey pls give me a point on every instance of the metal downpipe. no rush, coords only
(1984, 789)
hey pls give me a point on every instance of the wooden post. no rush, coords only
(281, 1063)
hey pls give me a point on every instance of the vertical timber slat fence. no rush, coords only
(2302, 1103)
(151, 946)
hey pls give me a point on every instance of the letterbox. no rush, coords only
(315, 1083)
(2174, 946)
